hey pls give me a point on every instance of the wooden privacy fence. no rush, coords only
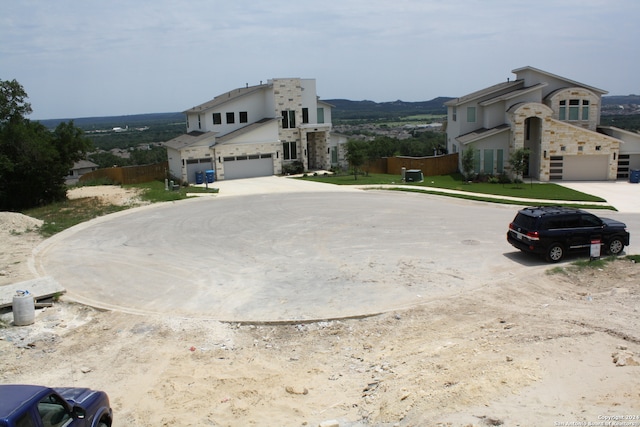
(129, 174)
(430, 166)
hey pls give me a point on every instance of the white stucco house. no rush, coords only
(255, 131)
(556, 118)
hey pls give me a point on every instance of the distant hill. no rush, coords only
(344, 109)
(363, 110)
(109, 122)
(621, 99)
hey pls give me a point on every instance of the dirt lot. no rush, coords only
(543, 350)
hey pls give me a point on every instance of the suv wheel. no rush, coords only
(615, 246)
(555, 252)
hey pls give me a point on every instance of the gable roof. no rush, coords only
(500, 87)
(226, 97)
(546, 73)
(81, 164)
(481, 133)
(243, 130)
(325, 103)
(187, 139)
(513, 94)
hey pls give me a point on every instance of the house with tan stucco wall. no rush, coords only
(256, 131)
(555, 118)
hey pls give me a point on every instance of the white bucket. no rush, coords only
(24, 309)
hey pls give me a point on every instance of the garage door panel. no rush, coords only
(249, 168)
(586, 168)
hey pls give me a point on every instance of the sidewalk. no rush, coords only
(621, 195)
(446, 191)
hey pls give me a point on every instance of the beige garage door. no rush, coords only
(586, 168)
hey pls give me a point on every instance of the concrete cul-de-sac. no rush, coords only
(278, 250)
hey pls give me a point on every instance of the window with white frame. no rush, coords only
(320, 115)
(454, 113)
(585, 109)
(573, 110)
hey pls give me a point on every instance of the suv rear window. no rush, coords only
(525, 221)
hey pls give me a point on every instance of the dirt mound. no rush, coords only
(17, 223)
(108, 194)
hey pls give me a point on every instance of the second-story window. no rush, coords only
(305, 115)
(578, 110)
(199, 123)
(231, 118)
(244, 117)
(471, 114)
(288, 119)
(217, 118)
(454, 113)
(320, 115)
(585, 109)
(574, 109)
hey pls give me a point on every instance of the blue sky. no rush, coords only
(84, 58)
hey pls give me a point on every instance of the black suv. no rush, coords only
(552, 231)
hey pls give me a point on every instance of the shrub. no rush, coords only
(503, 178)
(293, 168)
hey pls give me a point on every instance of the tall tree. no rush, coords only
(33, 161)
(13, 106)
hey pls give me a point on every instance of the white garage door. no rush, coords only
(586, 168)
(248, 166)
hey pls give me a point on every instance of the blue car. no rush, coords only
(37, 406)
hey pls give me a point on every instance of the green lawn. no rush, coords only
(62, 215)
(454, 182)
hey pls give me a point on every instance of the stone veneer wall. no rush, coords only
(556, 134)
(579, 141)
(581, 94)
(318, 142)
(288, 96)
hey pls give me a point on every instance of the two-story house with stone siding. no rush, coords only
(555, 118)
(256, 130)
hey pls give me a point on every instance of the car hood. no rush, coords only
(75, 395)
(613, 223)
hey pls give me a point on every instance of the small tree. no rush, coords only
(518, 161)
(467, 162)
(356, 154)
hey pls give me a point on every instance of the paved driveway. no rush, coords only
(313, 252)
(622, 195)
